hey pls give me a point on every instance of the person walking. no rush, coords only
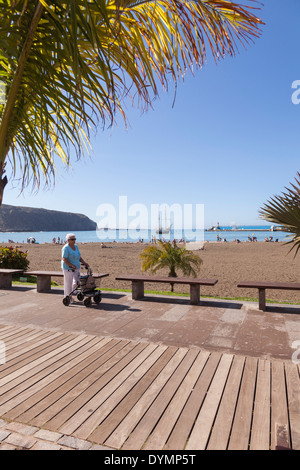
(70, 263)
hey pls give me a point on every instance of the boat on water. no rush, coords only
(214, 228)
(163, 229)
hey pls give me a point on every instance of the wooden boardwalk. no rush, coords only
(137, 395)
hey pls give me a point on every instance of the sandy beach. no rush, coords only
(228, 262)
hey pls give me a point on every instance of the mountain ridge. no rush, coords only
(31, 219)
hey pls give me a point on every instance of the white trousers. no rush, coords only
(70, 280)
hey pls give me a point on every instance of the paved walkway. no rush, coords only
(234, 327)
(225, 332)
(19, 436)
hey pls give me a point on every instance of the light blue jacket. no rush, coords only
(73, 256)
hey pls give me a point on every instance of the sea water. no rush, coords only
(227, 234)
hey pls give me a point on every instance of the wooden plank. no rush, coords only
(68, 386)
(13, 398)
(279, 409)
(11, 271)
(121, 433)
(117, 396)
(41, 347)
(107, 426)
(58, 381)
(293, 394)
(175, 280)
(4, 328)
(14, 340)
(28, 340)
(60, 274)
(160, 434)
(28, 383)
(282, 437)
(184, 425)
(87, 382)
(11, 331)
(270, 285)
(260, 432)
(19, 374)
(28, 348)
(114, 359)
(222, 426)
(201, 430)
(64, 368)
(146, 422)
(240, 434)
(94, 400)
(45, 273)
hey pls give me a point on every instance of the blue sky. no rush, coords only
(230, 142)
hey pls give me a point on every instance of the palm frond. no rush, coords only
(171, 256)
(68, 66)
(285, 210)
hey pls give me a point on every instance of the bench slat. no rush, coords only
(44, 278)
(270, 285)
(60, 274)
(194, 283)
(11, 271)
(262, 286)
(175, 280)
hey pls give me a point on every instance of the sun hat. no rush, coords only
(70, 235)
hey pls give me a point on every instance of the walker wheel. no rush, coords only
(97, 298)
(80, 296)
(87, 302)
(66, 301)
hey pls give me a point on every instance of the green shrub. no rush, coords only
(13, 258)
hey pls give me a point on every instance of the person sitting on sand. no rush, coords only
(70, 263)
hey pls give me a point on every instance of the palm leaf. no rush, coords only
(285, 210)
(69, 65)
(171, 256)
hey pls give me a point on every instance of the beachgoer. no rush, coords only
(71, 259)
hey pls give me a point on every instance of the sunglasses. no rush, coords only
(72, 238)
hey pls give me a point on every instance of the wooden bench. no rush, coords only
(43, 278)
(6, 277)
(262, 286)
(138, 282)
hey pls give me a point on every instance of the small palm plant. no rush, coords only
(285, 211)
(171, 256)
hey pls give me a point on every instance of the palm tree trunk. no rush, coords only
(172, 273)
(12, 96)
(3, 181)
